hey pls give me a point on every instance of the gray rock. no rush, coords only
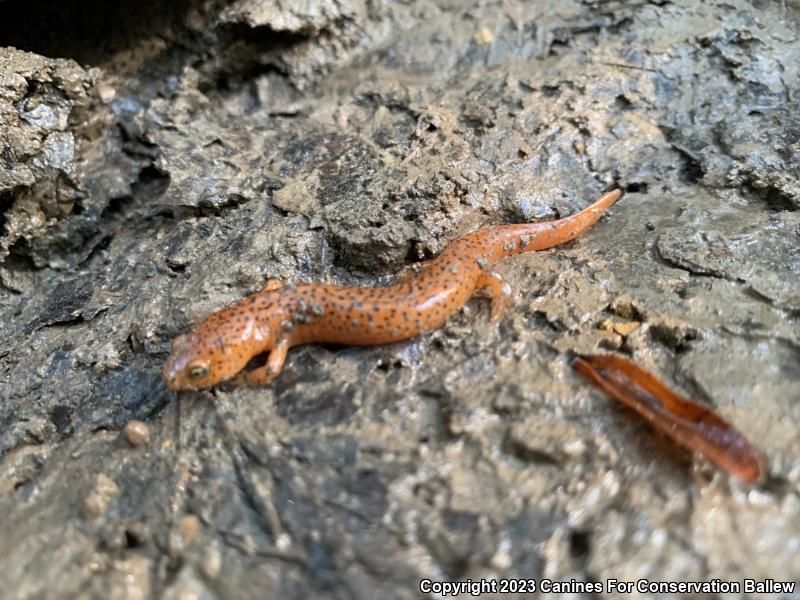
(341, 142)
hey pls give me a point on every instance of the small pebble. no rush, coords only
(624, 329)
(483, 36)
(136, 433)
(96, 503)
(189, 527)
(575, 448)
(212, 562)
(106, 92)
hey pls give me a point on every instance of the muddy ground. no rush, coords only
(167, 158)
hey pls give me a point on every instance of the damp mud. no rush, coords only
(160, 161)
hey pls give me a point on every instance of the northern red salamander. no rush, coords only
(275, 318)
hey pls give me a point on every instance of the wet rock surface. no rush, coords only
(231, 143)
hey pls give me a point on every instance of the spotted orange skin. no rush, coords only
(277, 318)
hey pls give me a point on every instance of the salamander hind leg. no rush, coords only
(498, 290)
(269, 371)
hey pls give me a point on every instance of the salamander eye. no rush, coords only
(198, 370)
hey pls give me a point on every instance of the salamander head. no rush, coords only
(215, 351)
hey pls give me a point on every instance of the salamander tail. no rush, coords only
(527, 237)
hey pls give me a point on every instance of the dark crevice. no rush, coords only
(539, 321)
(77, 208)
(258, 361)
(63, 324)
(99, 246)
(776, 200)
(247, 53)
(6, 201)
(692, 170)
(527, 454)
(549, 91)
(159, 407)
(151, 183)
(88, 31)
(115, 208)
(206, 209)
(676, 339)
(636, 187)
(579, 543)
(622, 103)
(245, 71)
(176, 268)
(61, 416)
(19, 257)
(623, 24)
(134, 539)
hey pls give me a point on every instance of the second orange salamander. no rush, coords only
(275, 318)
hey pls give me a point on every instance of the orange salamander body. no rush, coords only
(276, 318)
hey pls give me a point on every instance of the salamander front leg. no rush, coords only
(498, 290)
(269, 371)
